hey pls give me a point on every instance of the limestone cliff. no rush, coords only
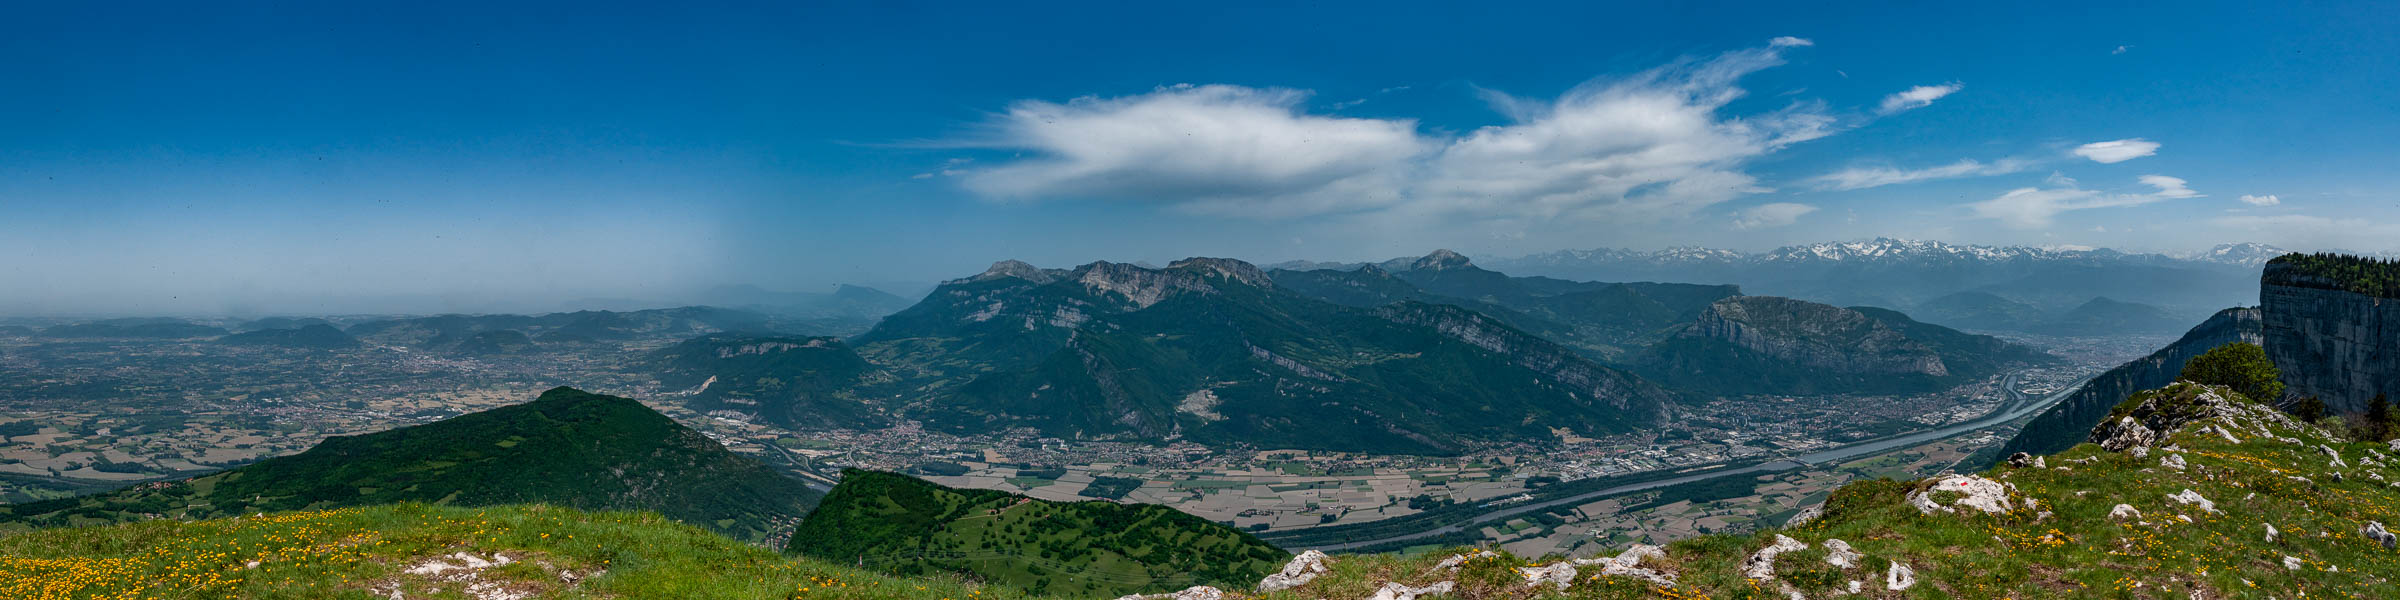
(2332, 342)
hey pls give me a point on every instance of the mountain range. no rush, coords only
(1907, 274)
(1215, 351)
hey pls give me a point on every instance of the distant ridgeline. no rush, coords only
(908, 526)
(569, 448)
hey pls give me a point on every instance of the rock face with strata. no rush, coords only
(1816, 336)
(2329, 343)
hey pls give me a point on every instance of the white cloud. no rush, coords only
(2117, 151)
(1917, 97)
(2169, 187)
(2266, 200)
(1859, 178)
(1229, 147)
(2120, 50)
(1776, 214)
(2035, 208)
(1789, 41)
(1649, 146)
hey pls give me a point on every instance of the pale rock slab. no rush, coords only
(1303, 569)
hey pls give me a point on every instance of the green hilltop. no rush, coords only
(568, 447)
(908, 526)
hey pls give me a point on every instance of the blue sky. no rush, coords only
(429, 156)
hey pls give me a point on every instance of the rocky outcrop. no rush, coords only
(2333, 344)
(2149, 416)
(1816, 336)
(2072, 419)
(1974, 492)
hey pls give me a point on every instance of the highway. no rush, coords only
(2018, 406)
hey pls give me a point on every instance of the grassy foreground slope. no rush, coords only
(2054, 531)
(421, 551)
(568, 447)
(2053, 535)
(909, 526)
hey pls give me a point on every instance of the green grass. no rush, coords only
(363, 553)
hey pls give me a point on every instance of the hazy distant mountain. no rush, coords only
(794, 382)
(2103, 316)
(449, 332)
(281, 323)
(1213, 350)
(317, 336)
(1769, 345)
(1903, 273)
(151, 328)
(1978, 310)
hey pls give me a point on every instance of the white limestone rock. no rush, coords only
(1899, 577)
(1761, 564)
(2124, 512)
(2172, 461)
(1457, 560)
(2193, 498)
(1979, 493)
(1559, 575)
(1302, 569)
(1401, 591)
(1839, 554)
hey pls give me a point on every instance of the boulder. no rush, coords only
(1558, 575)
(1628, 564)
(1761, 564)
(2271, 533)
(1979, 493)
(2020, 460)
(1401, 591)
(1839, 554)
(2124, 434)
(1899, 577)
(2374, 531)
(2193, 498)
(1302, 569)
(2124, 512)
(2172, 461)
